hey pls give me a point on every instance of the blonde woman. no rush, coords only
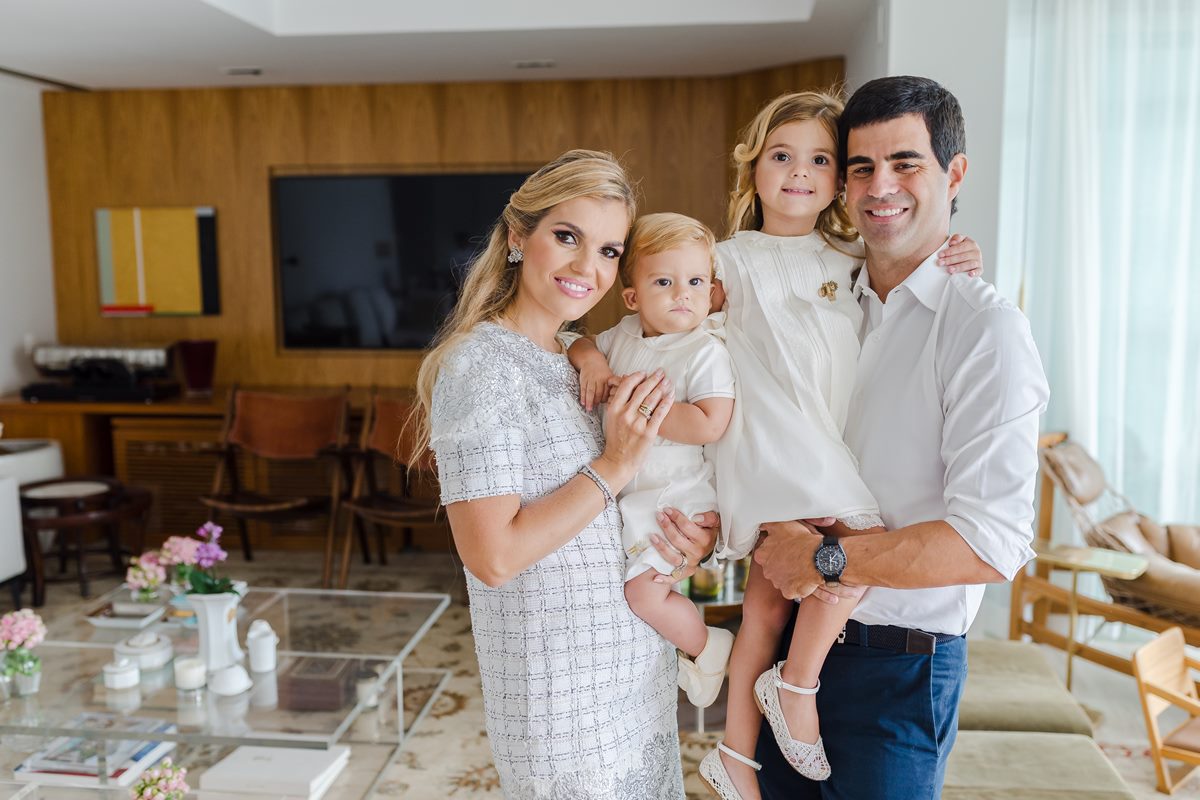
(579, 693)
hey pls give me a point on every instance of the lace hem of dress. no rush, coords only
(656, 776)
(861, 522)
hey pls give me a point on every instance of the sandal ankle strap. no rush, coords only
(780, 683)
(736, 756)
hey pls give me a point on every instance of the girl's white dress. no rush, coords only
(579, 694)
(674, 474)
(795, 350)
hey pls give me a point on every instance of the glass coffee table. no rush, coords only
(365, 634)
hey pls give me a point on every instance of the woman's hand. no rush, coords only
(635, 411)
(684, 542)
(962, 254)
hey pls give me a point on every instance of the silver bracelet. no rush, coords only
(602, 484)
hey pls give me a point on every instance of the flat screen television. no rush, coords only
(376, 261)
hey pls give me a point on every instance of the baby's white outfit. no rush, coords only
(675, 475)
(792, 331)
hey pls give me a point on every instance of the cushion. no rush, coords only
(1011, 687)
(1185, 544)
(1077, 472)
(1170, 585)
(1130, 532)
(991, 765)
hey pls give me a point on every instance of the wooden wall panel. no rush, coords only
(220, 146)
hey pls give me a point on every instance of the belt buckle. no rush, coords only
(841, 639)
(920, 642)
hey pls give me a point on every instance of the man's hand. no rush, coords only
(786, 557)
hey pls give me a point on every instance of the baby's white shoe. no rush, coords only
(712, 770)
(807, 759)
(702, 678)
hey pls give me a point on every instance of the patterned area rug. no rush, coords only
(448, 755)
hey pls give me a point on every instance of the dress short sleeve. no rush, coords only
(476, 428)
(710, 372)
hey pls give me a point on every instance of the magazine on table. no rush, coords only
(74, 760)
(82, 755)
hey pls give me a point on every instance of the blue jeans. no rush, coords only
(888, 720)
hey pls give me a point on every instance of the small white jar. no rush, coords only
(121, 674)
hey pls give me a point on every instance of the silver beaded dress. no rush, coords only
(579, 694)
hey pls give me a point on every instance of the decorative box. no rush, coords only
(317, 684)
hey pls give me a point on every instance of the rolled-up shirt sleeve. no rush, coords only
(994, 394)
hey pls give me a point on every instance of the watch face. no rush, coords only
(831, 560)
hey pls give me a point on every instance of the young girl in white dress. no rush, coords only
(666, 272)
(792, 330)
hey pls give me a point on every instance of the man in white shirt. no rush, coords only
(944, 423)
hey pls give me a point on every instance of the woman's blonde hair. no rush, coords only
(492, 281)
(656, 233)
(745, 209)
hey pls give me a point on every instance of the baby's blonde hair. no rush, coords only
(745, 210)
(657, 233)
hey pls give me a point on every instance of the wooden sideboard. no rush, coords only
(168, 447)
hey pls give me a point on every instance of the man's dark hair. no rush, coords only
(886, 99)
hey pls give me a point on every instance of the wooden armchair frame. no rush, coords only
(323, 436)
(1046, 597)
(385, 436)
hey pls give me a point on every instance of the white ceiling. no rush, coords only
(102, 44)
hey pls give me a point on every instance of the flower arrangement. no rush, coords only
(145, 575)
(164, 782)
(20, 632)
(190, 560)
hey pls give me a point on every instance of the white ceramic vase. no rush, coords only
(216, 621)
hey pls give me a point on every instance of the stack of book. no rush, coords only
(75, 760)
(275, 771)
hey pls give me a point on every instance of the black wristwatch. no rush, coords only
(830, 559)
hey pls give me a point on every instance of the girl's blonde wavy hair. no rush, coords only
(492, 281)
(745, 210)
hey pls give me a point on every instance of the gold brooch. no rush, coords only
(828, 290)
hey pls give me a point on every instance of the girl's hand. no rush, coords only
(962, 254)
(635, 411)
(595, 380)
(684, 541)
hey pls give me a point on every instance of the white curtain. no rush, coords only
(1100, 231)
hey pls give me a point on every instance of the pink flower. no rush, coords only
(179, 550)
(21, 628)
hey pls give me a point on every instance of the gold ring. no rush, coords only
(645, 410)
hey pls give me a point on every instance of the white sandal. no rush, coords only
(712, 770)
(807, 759)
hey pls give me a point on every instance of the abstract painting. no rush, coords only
(157, 261)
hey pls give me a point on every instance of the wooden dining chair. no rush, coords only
(280, 427)
(386, 440)
(1162, 669)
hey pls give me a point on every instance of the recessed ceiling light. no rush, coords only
(242, 70)
(536, 63)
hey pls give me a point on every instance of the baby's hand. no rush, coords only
(595, 382)
(962, 254)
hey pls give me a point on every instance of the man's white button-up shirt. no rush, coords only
(944, 422)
